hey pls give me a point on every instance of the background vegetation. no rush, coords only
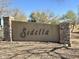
(38, 16)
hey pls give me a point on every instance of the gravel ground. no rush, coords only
(38, 50)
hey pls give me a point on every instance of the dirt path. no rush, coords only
(38, 50)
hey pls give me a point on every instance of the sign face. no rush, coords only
(24, 31)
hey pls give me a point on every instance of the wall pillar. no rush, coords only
(7, 28)
(65, 33)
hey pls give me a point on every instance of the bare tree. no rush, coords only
(41, 16)
(4, 6)
(18, 15)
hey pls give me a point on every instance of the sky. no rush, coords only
(55, 6)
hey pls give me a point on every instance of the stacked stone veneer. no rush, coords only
(57, 33)
(6, 28)
(64, 33)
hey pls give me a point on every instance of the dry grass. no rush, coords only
(38, 50)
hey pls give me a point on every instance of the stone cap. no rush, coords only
(10, 17)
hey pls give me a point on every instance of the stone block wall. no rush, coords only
(31, 31)
(13, 29)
